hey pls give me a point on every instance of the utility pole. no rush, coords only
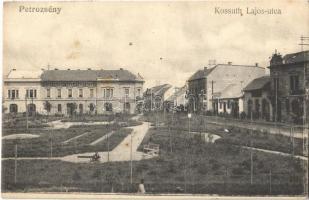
(15, 165)
(108, 142)
(304, 39)
(251, 154)
(51, 144)
(131, 162)
(270, 181)
(27, 126)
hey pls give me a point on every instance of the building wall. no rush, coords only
(119, 97)
(196, 87)
(21, 101)
(258, 99)
(118, 100)
(224, 75)
(286, 98)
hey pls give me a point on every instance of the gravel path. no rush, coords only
(102, 138)
(74, 138)
(59, 125)
(120, 153)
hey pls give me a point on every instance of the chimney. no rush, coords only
(69, 69)
(229, 63)
(121, 68)
(211, 62)
(89, 68)
(56, 68)
(205, 68)
(256, 64)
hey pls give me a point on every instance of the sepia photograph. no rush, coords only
(155, 99)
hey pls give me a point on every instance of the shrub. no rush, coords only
(243, 115)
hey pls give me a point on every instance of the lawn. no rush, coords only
(41, 146)
(191, 166)
(237, 136)
(185, 163)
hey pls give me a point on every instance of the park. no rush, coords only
(172, 152)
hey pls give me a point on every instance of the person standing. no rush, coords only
(141, 187)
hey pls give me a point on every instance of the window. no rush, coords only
(257, 105)
(31, 93)
(126, 92)
(138, 92)
(91, 92)
(108, 93)
(13, 108)
(80, 92)
(59, 92)
(13, 94)
(108, 106)
(59, 108)
(48, 92)
(294, 83)
(287, 106)
(228, 104)
(70, 93)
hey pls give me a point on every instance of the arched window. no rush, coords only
(249, 108)
(108, 106)
(13, 108)
(81, 108)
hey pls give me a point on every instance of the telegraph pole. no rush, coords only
(27, 126)
(251, 155)
(15, 165)
(304, 39)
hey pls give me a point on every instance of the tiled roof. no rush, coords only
(200, 74)
(180, 92)
(258, 83)
(231, 91)
(296, 57)
(158, 90)
(89, 75)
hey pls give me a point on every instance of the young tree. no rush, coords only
(91, 107)
(47, 107)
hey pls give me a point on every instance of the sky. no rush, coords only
(166, 42)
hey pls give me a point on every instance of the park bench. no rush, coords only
(92, 158)
(151, 149)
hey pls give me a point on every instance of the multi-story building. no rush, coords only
(204, 84)
(73, 91)
(154, 97)
(289, 83)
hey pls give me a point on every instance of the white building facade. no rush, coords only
(69, 92)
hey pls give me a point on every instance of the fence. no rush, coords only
(263, 184)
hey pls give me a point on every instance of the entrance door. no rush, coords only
(31, 109)
(126, 107)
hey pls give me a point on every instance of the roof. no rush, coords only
(200, 74)
(181, 91)
(89, 75)
(258, 83)
(159, 89)
(20, 74)
(296, 57)
(231, 91)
